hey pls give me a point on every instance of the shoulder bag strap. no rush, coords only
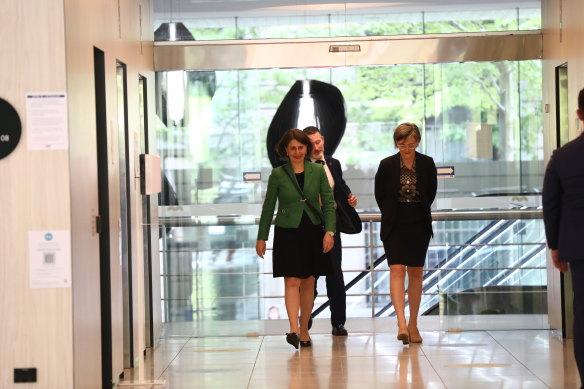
(304, 200)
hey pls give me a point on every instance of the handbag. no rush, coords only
(348, 220)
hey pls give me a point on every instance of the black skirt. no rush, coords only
(408, 242)
(298, 251)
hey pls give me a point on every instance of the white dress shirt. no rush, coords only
(328, 173)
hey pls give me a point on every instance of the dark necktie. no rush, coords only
(319, 161)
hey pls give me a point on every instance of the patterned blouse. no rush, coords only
(408, 192)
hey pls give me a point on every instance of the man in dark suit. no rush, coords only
(335, 283)
(563, 213)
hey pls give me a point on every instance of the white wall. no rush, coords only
(35, 324)
(34, 196)
(559, 47)
(47, 46)
(122, 30)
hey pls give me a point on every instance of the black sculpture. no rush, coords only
(329, 111)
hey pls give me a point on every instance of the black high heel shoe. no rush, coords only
(306, 343)
(293, 339)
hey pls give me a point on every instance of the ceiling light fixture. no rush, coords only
(173, 31)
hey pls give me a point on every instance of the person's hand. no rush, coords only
(561, 266)
(327, 243)
(352, 200)
(261, 248)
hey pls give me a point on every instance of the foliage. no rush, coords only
(441, 98)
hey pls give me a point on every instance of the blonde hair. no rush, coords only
(404, 131)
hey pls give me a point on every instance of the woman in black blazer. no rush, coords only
(405, 187)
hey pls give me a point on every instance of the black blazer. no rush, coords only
(341, 191)
(387, 188)
(563, 201)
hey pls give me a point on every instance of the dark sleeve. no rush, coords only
(342, 184)
(552, 203)
(432, 182)
(380, 184)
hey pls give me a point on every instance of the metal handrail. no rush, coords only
(438, 215)
(354, 295)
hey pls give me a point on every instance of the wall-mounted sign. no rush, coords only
(10, 128)
(49, 255)
(445, 171)
(252, 177)
(46, 121)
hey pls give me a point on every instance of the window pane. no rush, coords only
(213, 21)
(482, 119)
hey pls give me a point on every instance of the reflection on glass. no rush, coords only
(340, 19)
(212, 272)
(125, 244)
(482, 117)
(496, 267)
(563, 113)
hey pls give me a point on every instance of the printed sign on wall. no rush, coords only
(49, 259)
(46, 121)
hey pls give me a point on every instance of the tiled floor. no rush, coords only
(365, 359)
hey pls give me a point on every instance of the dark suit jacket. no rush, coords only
(341, 191)
(387, 188)
(563, 201)
(290, 208)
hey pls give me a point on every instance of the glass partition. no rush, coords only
(307, 19)
(474, 267)
(483, 120)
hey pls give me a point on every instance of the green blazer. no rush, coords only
(290, 208)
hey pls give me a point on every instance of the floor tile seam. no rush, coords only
(425, 356)
(432, 365)
(255, 362)
(176, 356)
(517, 359)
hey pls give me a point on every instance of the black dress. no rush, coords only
(298, 251)
(408, 242)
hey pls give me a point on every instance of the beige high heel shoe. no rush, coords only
(416, 337)
(404, 337)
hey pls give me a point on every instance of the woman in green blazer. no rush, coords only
(300, 241)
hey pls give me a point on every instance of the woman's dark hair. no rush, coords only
(289, 136)
(581, 101)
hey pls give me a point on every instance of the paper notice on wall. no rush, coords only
(46, 121)
(49, 259)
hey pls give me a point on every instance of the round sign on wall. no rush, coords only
(10, 128)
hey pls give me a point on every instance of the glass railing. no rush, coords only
(479, 262)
